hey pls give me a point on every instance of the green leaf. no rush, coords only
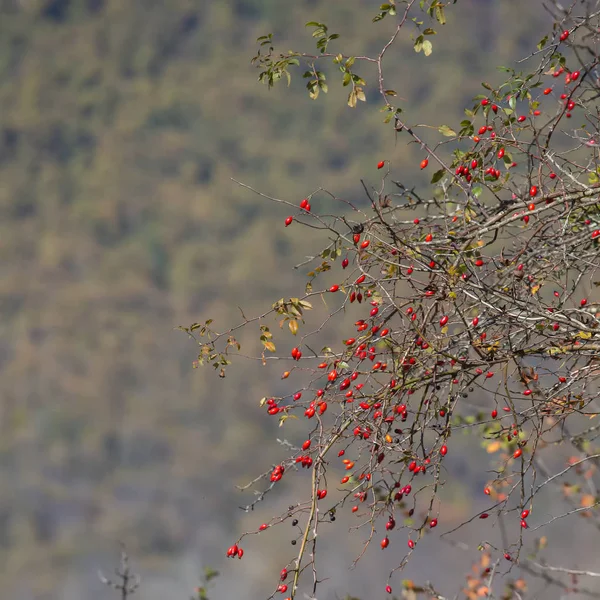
(437, 176)
(430, 31)
(446, 131)
(295, 311)
(390, 93)
(427, 47)
(542, 42)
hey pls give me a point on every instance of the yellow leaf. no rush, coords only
(543, 542)
(284, 418)
(293, 325)
(535, 289)
(493, 347)
(521, 585)
(493, 447)
(270, 346)
(587, 500)
(584, 335)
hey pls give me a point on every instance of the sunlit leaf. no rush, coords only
(270, 346)
(446, 131)
(493, 447)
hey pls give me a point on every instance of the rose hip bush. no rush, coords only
(467, 306)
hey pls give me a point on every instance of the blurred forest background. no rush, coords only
(121, 124)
